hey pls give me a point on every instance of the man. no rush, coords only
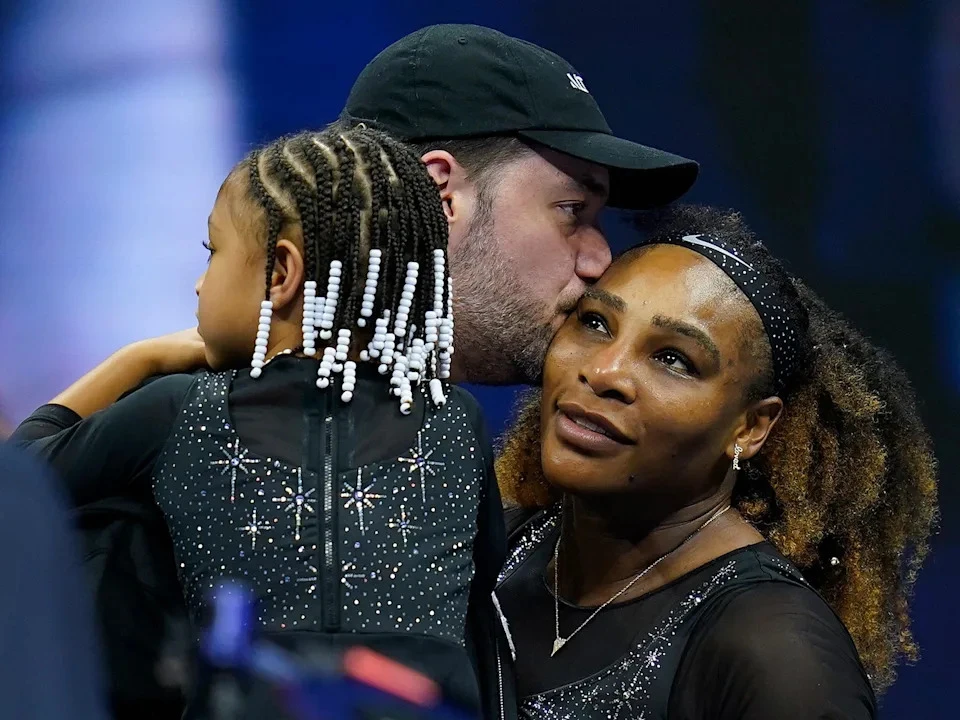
(525, 162)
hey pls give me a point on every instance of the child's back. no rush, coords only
(354, 495)
(344, 518)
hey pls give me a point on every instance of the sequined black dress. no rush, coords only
(352, 522)
(743, 638)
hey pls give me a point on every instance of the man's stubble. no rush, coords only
(501, 334)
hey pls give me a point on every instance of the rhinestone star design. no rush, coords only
(234, 459)
(313, 579)
(359, 497)
(254, 528)
(298, 502)
(653, 658)
(422, 462)
(403, 524)
(348, 574)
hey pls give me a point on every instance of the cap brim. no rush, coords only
(640, 176)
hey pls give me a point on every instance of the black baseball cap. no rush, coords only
(460, 81)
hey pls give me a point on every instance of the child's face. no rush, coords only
(230, 290)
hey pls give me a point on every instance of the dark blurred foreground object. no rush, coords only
(48, 650)
(242, 677)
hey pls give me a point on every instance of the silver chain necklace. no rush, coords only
(559, 642)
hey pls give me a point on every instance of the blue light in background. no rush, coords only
(118, 125)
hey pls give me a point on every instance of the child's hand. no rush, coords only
(177, 352)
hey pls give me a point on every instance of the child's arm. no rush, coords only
(101, 447)
(127, 368)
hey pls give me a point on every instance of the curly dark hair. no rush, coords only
(848, 472)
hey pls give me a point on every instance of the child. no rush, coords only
(335, 472)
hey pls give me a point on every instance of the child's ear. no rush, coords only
(288, 277)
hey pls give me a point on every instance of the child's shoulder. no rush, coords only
(162, 385)
(462, 398)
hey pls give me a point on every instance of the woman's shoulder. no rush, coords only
(773, 604)
(764, 613)
(780, 636)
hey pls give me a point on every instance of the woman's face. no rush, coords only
(644, 385)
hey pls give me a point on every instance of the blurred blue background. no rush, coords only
(834, 125)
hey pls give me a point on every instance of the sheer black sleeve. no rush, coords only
(773, 651)
(112, 450)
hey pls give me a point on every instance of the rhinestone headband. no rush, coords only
(781, 328)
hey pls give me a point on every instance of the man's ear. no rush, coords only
(446, 173)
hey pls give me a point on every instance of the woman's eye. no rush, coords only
(676, 361)
(592, 321)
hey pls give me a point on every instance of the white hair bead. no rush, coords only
(436, 392)
(326, 366)
(263, 335)
(349, 379)
(370, 289)
(309, 317)
(379, 335)
(343, 347)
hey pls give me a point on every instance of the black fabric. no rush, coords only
(763, 647)
(107, 460)
(773, 650)
(454, 81)
(48, 649)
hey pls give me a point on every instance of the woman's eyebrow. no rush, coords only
(682, 328)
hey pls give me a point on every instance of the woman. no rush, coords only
(726, 493)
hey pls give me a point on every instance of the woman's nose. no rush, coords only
(609, 375)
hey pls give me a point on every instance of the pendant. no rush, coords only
(557, 644)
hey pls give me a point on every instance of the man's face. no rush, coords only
(522, 250)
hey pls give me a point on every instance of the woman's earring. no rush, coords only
(736, 456)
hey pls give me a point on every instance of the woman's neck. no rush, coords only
(602, 549)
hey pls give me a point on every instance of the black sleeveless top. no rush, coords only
(741, 637)
(385, 547)
(352, 522)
